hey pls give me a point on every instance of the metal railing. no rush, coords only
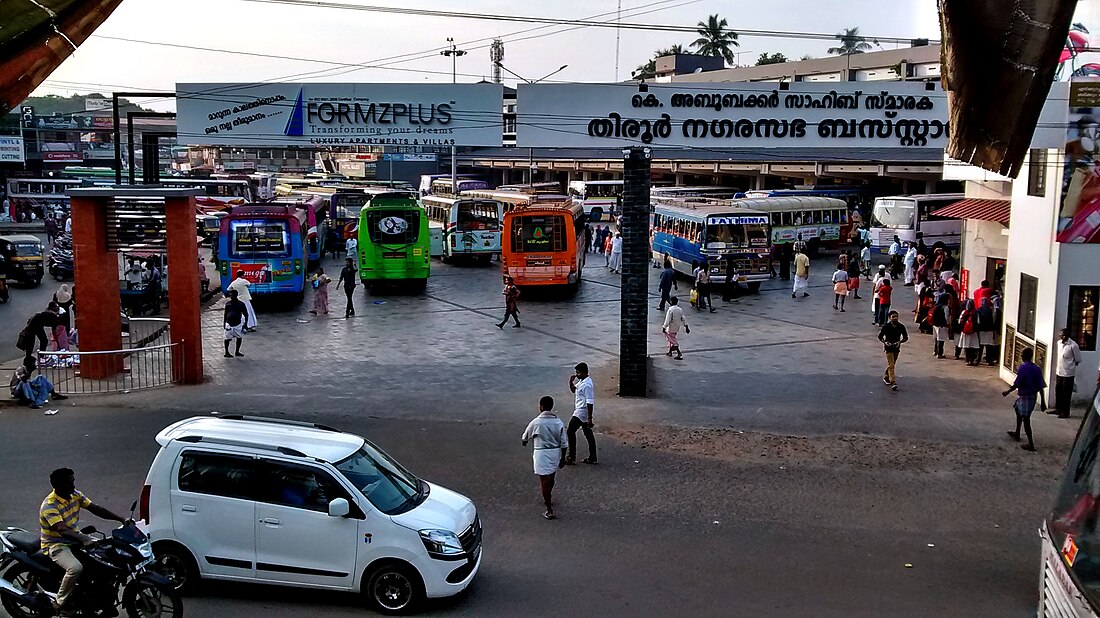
(144, 332)
(112, 371)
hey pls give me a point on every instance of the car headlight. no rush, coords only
(441, 542)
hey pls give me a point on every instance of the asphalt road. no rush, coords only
(647, 532)
(25, 301)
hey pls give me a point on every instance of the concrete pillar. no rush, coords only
(96, 286)
(183, 289)
(634, 304)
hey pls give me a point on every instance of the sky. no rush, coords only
(104, 64)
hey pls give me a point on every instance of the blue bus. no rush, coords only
(691, 230)
(269, 243)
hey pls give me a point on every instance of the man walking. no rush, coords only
(617, 253)
(674, 318)
(583, 414)
(1030, 384)
(667, 284)
(892, 335)
(511, 309)
(702, 287)
(233, 317)
(910, 262)
(347, 277)
(801, 273)
(351, 249)
(240, 285)
(895, 257)
(800, 245)
(550, 449)
(1069, 356)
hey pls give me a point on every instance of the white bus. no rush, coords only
(598, 197)
(471, 226)
(908, 215)
(39, 196)
(216, 193)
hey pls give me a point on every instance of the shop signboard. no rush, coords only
(63, 156)
(895, 115)
(1079, 216)
(11, 150)
(323, 114)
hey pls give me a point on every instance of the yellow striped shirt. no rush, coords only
(56, 510)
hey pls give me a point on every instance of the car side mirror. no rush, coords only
(339, 508)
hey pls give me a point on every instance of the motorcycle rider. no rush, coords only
(58, 518)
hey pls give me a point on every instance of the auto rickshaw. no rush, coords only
(23, 260)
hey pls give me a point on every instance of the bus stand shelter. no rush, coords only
(107, 220)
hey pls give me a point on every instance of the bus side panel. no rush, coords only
(681, 251)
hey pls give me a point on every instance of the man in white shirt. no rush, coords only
(135, 274)
(240, 284)
(616, 263)
(351, 249)
(865, 261)
(674, 318)
(548, 432)
(585, 400)
(1069, 356)
(895, 257)
(910, 261)
(69, 225)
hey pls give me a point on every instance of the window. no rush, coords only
(1025, 318)
(260, 238)
(538, 234)
(393, 227)
(1082, 315)
(477, 216)
(1037, 173)
(390, 487)
(218, 475)
(298, 486)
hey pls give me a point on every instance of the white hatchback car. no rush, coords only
(284, 502)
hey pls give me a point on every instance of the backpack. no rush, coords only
(968, 323)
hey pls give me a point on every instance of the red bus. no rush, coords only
(543, 242)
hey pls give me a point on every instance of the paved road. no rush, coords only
(25, 301)
(645, 533)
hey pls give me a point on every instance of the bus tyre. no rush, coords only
(754, 287)
(420, 286)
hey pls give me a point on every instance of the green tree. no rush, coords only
(715, 39)
(850, 43)
(766, 58)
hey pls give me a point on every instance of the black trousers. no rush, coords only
(349, 292)
(571, 433)
(510, 313)
(665, 296)
(1063, 394)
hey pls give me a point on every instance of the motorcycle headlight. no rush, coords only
(146, 550)
(441, 542)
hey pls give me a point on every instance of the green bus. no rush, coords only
(394, 244)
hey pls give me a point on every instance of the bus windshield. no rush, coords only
(393, 226)
(477, 217)
(259, 238)
(1074, 525)
(892, 214)
(538, 234)
(611, 190)
(729, 235)
(347, 205)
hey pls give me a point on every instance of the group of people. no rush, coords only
(610, 244)
(26, 387)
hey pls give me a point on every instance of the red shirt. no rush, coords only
(981, 293)
(884, 293)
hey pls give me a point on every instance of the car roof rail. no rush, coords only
(256, 445)
(278, 421)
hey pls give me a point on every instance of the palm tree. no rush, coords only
(715, 39)
(850, 43)
(649, 69)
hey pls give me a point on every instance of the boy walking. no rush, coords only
(550, 445)
(347, 277)
(1030, 384)
(585, 400)
(511, 294)
(674, 318)
(892, 335)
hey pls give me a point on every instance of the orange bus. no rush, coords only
(543, 242)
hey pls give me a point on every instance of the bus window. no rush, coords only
(393, 227)
(347, 205)
(259, 238)
(727, 233)
(843, 216)
(827, 216)
(477, 216)
(535, 234)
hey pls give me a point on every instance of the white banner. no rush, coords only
(733, 115)
(11, 150)
(340, 114)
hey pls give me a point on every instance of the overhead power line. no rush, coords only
(822, 36)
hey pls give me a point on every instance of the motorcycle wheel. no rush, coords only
(22, 577)
(145, 600)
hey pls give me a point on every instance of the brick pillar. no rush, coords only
(98, 304)
(183, 289)
(634, 314)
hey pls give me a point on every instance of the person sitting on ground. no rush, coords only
(34, 392)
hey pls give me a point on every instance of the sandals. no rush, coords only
(549, 515)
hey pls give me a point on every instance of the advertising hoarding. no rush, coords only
(11, 150)
(340, 114)
(733, 115)
(1079, 216)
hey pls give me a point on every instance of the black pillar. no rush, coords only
(634, 314)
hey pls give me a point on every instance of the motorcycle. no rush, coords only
(60, 262)
(122, 562)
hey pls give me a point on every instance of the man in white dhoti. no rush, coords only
(801, 273)
(240, 284)
(548, 433)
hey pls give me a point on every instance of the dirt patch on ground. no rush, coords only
(852, 452)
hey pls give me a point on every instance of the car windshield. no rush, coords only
(386, 484)
(892, 214)
(25, 249)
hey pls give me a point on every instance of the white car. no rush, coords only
(264, 500)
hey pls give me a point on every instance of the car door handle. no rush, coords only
(270, 521)
(187, 508)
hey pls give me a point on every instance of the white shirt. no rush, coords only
(586, 394)
(68, 225)
(674, 317)
(352, 247)
(865, 254)
(547, 430)
(1069, 356)
(135, 274)
(241, 285)
(616, 245)
(911, 256)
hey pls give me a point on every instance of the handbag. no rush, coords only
(693, 297)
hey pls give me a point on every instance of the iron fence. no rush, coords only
(144, 332)
(112, 371)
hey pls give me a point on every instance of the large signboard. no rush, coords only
(340, 114)
(1079, 218)
(733, 115)
(11, 150)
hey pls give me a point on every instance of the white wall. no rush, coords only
(981, 240)
(1032, 250)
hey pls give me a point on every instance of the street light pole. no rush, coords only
(454, 52)
(531, 151)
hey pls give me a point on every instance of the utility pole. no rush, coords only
(454, 52)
